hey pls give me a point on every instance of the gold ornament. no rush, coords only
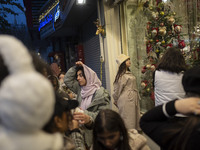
(154, 33)
(162, 31)
(143, 85)
(148, 89)
(163, 42)
(154, 15)
(151, 40)
(153, 67)
(174, 13)
(178, 29)
(157, 51)
(148, 66)
(162, 13)
(171, 20)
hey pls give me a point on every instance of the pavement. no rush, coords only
(151, 144)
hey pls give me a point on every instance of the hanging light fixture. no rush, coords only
(80, 2)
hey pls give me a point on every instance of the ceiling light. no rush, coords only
(80, 2)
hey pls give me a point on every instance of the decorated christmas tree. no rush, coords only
(194, 56)
(163, 32)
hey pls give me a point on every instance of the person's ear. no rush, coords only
(58, 121)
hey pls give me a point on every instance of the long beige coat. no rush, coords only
(127, 98)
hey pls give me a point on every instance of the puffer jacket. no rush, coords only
(100, 100)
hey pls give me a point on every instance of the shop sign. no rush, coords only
(46, 20)
(57, 13)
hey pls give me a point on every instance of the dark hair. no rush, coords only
(40, 65)
(109, 120)
(54, 81)
(78, 68)
(121, 71)
(172, 61)
(59, 109)
(4, 70)
(184, 130)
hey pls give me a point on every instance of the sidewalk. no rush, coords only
(151, 144)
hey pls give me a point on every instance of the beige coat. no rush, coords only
(127, 98)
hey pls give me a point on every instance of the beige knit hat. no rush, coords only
(121, 58)
(26, 97)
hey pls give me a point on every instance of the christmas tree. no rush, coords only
(194, 56)
(163, 32)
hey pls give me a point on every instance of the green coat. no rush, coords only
(100, 100)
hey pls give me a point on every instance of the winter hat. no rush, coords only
(26, 97)
(121, 58)
(191, 80)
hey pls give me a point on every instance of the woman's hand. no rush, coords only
(188, 105)
(79, 63)
(81, 117)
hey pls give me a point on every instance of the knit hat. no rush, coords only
(191, 80)
(26, 97)
(121, 58)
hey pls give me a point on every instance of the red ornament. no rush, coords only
(181, 44)
(152, 96)
(177, 28)
(143, 69)
(169, 45)
(149, 48)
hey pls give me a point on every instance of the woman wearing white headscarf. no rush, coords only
(92, 97)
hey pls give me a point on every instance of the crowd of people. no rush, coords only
(44, 109)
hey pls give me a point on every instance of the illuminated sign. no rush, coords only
(51, 18)
(46, 20)
(57, 13)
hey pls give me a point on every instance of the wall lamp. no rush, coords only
(80, 2)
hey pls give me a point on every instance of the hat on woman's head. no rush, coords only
(121, 58)
(191, 80)
(26, 97)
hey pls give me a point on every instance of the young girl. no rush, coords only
(110, 133)
(126, 96)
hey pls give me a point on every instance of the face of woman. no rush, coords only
(81, 79)
(128, 63)
(109, 139)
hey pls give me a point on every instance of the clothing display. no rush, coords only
(127, 98)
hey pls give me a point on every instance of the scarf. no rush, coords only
(93, 84)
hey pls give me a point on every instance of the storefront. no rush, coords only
(70, 28)
(126, 32)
